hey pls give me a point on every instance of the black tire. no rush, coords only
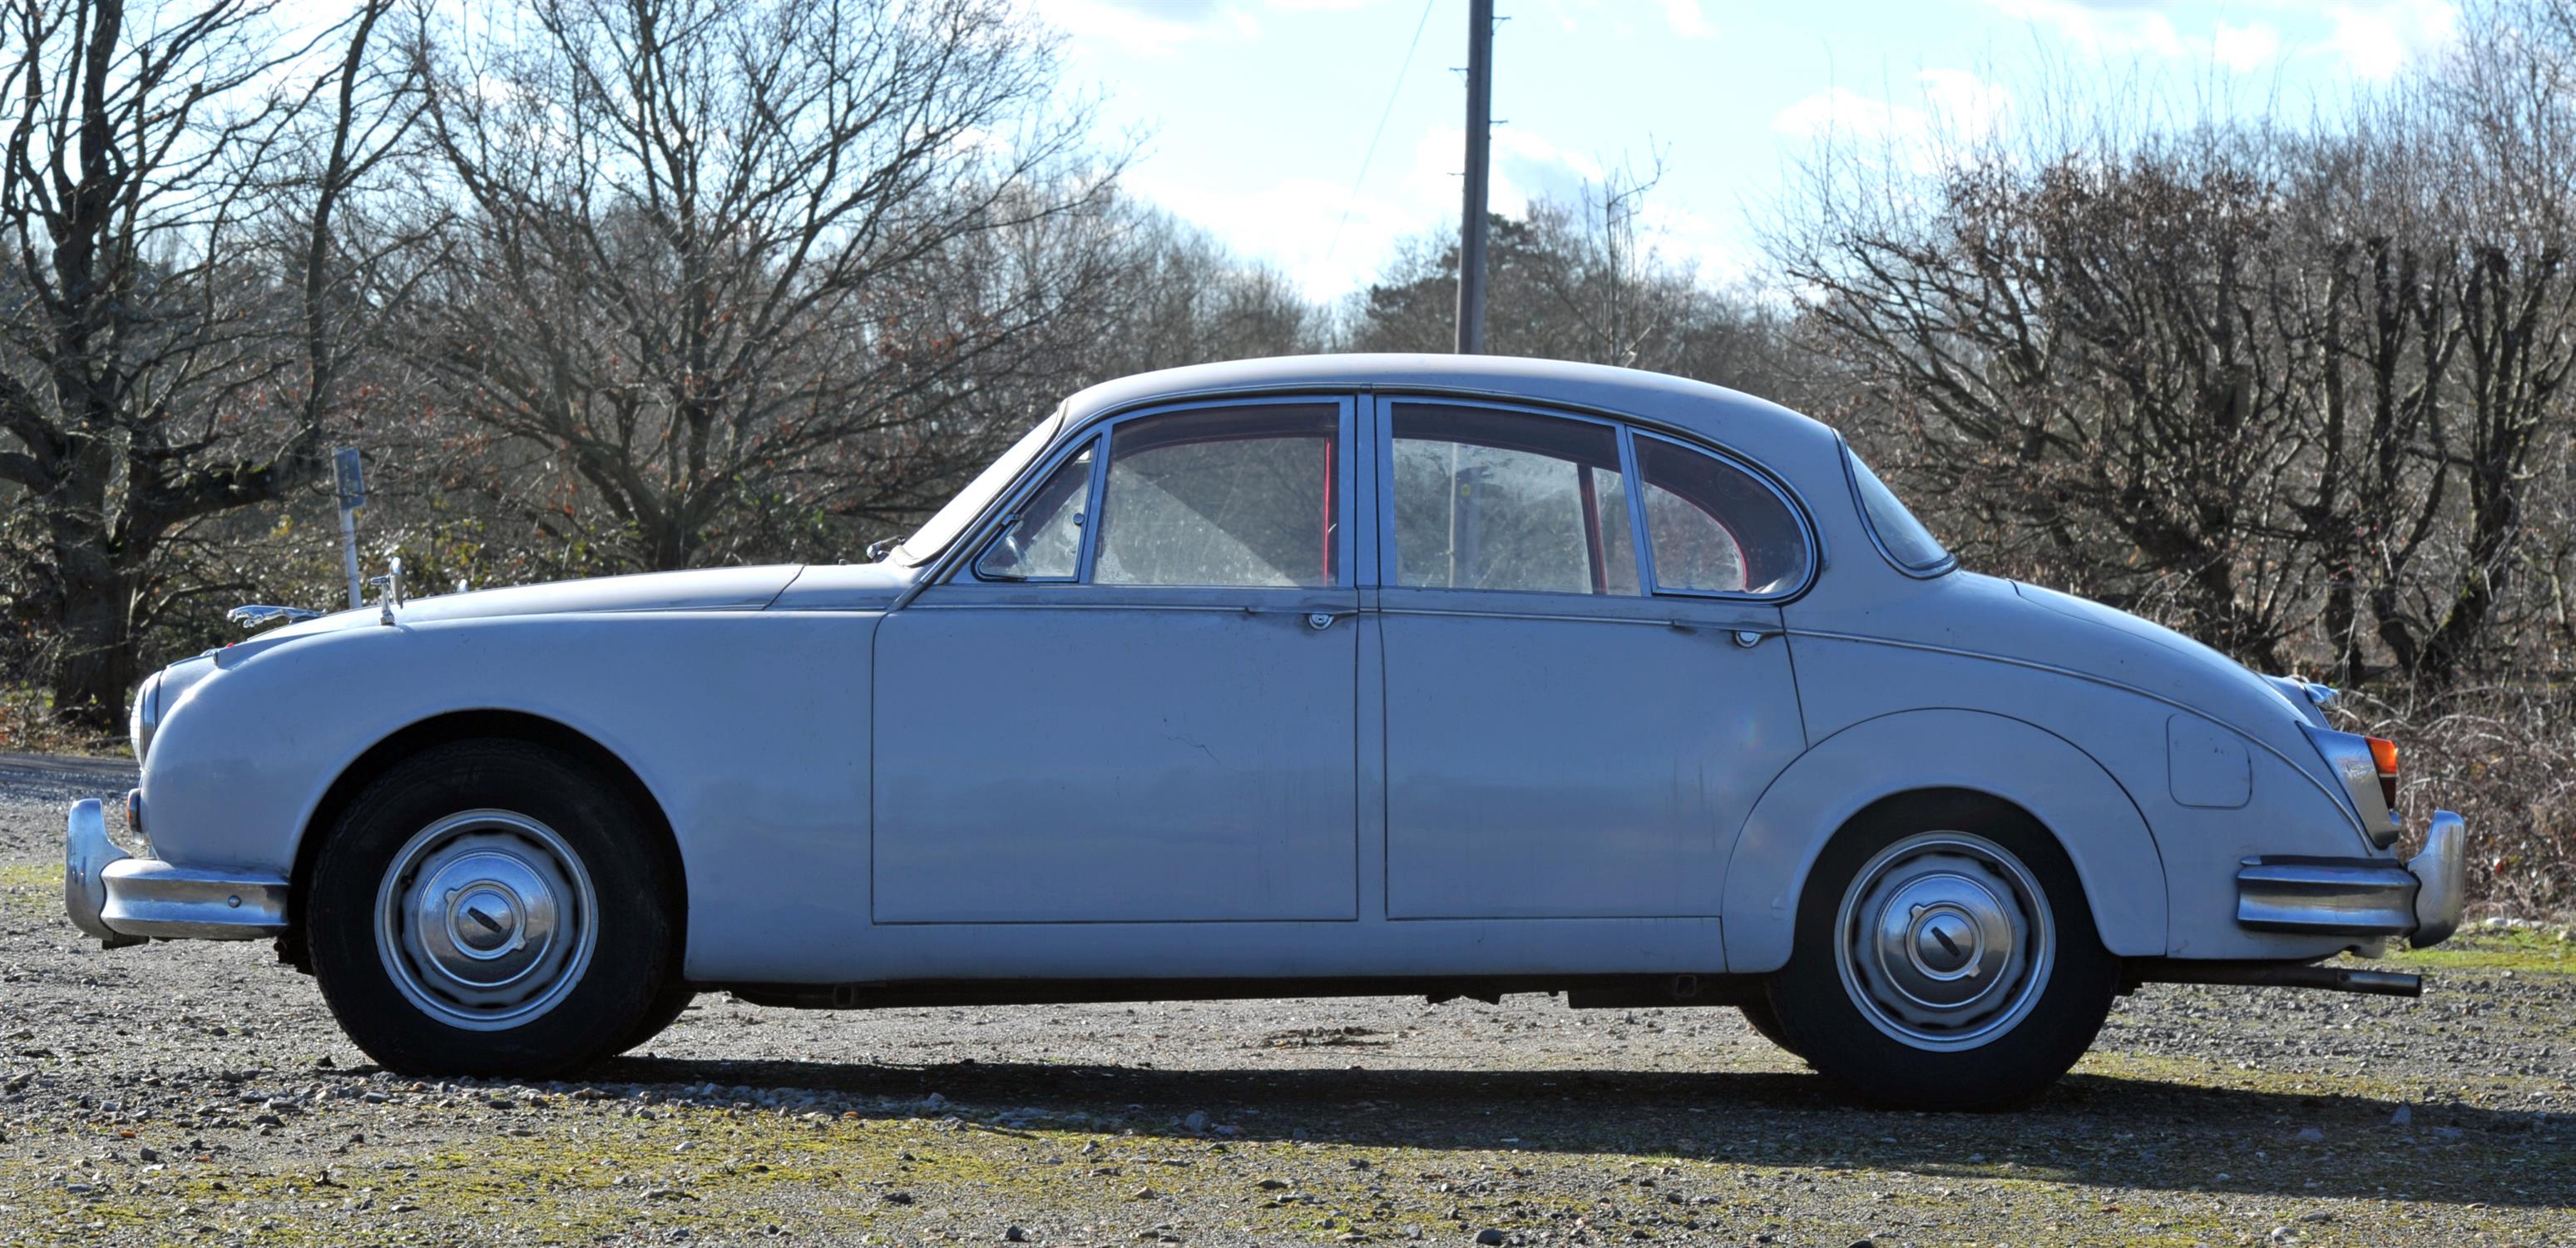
(677, 993)
(1765, 1021)
(464, 815)
(2043, 1012)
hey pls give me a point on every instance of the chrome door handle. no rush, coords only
(1751, 637)
(1321, 620)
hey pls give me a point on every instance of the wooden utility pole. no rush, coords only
(1471, 222)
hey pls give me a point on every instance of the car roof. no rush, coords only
(1756, 427)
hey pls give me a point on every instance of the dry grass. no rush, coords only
(2505, 759)
(28, 726)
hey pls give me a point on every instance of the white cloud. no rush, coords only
(1687, 20)
(2101, 29)
(2245, 48)
(2145, 28)
(1956, 104)
(1841, 110)
(2376, 38)
(1291, 223)
(1148, 27)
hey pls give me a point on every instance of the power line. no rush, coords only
(1389, 111)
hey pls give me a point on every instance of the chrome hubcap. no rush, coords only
(485, 919)
(1944, 940)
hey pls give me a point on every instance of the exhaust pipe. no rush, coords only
(2278, 975)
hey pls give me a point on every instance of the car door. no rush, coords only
(1576, 720)
(1135, 702)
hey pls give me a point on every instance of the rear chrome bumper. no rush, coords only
(125, 900)
(2363, 898)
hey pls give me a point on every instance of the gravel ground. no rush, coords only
(199, 1093)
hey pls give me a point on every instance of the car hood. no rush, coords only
(704, 589)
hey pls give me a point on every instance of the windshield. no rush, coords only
(1906, 542)
(944, 524)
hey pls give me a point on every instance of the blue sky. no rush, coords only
(1256, 114)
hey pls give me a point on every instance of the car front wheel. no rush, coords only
(493, 908)
(1945, 959)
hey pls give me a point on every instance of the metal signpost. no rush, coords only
(352, 479)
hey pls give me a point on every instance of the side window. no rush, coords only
(1713, 527)
(1043, 542)
(1503, 500)
(1231, 496)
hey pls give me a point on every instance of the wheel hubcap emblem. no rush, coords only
(486, 919)
(1944, 940)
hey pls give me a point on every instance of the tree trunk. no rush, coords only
(96, 669)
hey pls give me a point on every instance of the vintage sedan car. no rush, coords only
(1305, 677)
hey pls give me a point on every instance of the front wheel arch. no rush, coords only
(477, 725)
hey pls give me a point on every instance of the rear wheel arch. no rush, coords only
(477, 725)
(2005, 1003)
(1938, 759)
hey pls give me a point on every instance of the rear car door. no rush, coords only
(1576, 719)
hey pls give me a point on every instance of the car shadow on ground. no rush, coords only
(2089, 1130)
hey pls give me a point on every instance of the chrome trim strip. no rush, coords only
(149, 897)
(124, 900)
(87, 853)
(2443, 871)
(2347, 897)
(1654, 621)
(2421, 900)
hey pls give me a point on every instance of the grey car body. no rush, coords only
(1538, 674)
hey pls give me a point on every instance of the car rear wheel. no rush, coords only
(493, 908)
(1946, 959)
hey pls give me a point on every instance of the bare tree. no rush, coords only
(152, 372)
(1580, 279)
(722, 261)
(2277, 387)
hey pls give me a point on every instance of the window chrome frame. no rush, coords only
(1627, 429)
(1100, 433)
(1851, 482)
(1035, 479)
(1810, 546)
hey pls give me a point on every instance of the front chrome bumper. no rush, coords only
(2365, 898)
(125, 900)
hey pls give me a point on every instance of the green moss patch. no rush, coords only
(2490, 949)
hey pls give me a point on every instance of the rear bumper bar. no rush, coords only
(125, 900)
(2364, 898)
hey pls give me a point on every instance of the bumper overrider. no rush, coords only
(2364, 898)
(125, 900)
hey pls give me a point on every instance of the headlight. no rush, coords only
(160, 694)
(146, 714)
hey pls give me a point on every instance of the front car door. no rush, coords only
(1576, 720)
(1135, 702)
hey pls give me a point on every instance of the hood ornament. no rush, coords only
(261, 615)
